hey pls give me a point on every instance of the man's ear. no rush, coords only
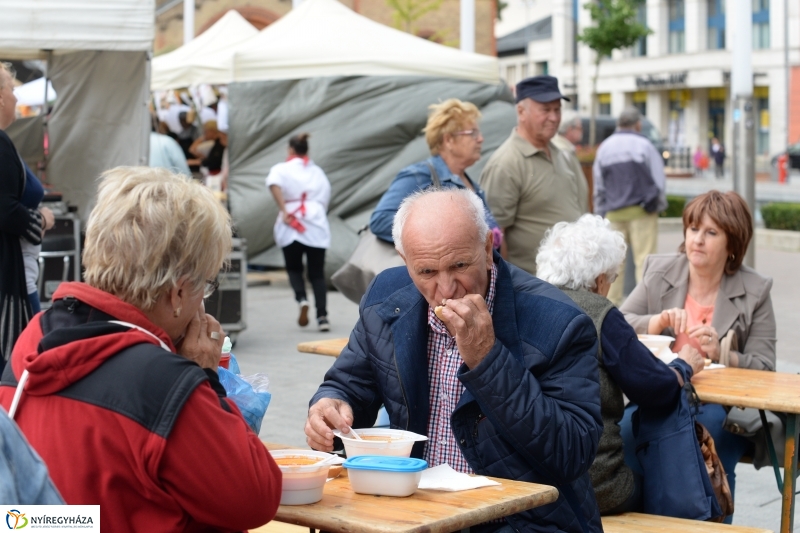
(489, 248)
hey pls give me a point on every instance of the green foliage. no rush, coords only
(499, 7)
(675, 205)
(407, 12)
(615, 26)
(781, 216)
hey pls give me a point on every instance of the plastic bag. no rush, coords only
(252, 400)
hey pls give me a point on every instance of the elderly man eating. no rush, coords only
(504, 384)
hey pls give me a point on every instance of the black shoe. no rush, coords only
(323, 324)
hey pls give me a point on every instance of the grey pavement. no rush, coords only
(269, 346)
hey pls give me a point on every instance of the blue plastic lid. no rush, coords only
(386, 464)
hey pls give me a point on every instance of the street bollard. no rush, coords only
(783, 173)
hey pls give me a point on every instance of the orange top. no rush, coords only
(697, 315)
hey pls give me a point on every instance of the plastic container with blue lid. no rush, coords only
(383, 475)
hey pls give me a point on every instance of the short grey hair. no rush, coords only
(9, 69)
(629, 117)
(472, 202)
(573, 254)
(569, 120)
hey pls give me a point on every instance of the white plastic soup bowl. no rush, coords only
(302, 484)
(656, 342)
(395, 443)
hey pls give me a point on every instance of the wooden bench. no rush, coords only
(645, 523)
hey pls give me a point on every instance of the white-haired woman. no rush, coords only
(583, 258)
(120, 395)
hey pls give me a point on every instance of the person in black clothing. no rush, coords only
(718, 153)
(582, 258)
(16, 222)
(210, 148)
(186, 138)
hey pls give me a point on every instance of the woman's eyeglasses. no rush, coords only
(211, 286)
(474, 133)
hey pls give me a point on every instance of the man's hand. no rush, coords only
(469, 321)
(324, 415)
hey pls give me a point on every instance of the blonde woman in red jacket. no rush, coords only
(119, 390)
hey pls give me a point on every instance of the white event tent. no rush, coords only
(32, 93)
(362, 90)
(208, 58)
(324, 38)
(97, 60)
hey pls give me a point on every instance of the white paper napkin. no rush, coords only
(443, 477)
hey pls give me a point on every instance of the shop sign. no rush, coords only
(669, 80)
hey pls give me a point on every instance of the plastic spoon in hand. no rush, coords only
(330, 460)
(355, 435)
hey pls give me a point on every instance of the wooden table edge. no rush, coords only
(293, 514)
(707, 382)
(322, 347)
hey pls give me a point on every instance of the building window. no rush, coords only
(677, 44)
(640, 48)
(640, 102)
(716, 24)
(717, 98)
(676, 129)
(604, 104)
(542, 68)
(511, 75)
(760, 24)
(524, 73)
(761, 96)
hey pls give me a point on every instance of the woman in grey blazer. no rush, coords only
(704, 293)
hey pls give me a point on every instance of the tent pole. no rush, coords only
(188, 20)
(468, 25)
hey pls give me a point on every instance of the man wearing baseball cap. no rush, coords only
(530, 184)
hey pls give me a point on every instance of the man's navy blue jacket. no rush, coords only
(531, 408)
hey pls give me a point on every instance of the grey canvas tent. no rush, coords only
(365, 118)
(98, 61)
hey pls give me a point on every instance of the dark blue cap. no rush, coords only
(540, 88)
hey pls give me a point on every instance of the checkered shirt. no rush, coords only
(444, 361)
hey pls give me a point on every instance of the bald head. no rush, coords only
(445, 243)
(436, 212)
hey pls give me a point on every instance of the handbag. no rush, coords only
(716, 473)
(371, 257)
(677, 478)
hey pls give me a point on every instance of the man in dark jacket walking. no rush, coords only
(496, 367)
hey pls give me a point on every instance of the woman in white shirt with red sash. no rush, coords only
(302, 191)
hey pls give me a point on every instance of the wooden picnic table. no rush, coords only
(342, 510)
(332, 347)
(734, 387)
(774, 391)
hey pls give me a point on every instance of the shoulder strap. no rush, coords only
(434, 176)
